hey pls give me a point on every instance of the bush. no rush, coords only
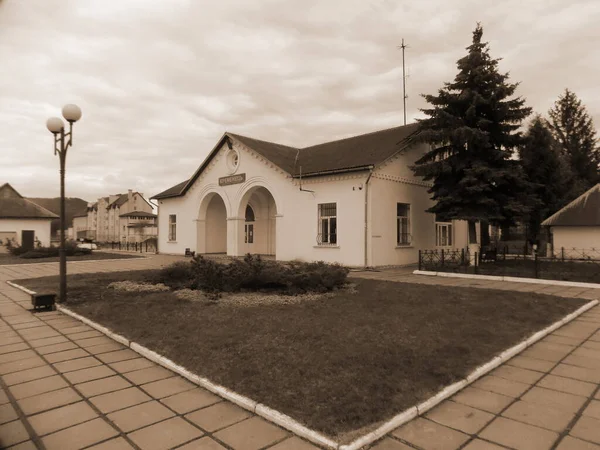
(71, 249)
(254, 274)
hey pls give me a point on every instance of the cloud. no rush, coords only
(159, 82)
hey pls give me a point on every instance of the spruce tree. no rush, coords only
(545, 168)
(573, 128)
(472, 128)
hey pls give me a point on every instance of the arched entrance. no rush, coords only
(258, 208)
(212, 225)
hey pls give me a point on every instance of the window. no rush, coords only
(443, 232)
(327, 224)
(403, 224)
(249, 227)
(172, 227)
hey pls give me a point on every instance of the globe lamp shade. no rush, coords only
(72, 113)
(55, 124)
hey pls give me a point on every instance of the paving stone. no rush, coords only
(47, 342)
(165, 435)
(114, 401)
(116, 356)
(24, 446)
(218, 416)
(517, 374)
(132, 364)
(544, 354)
(484, 400)
(10, 340)
(593, 409)
(3, 397)
(138, 416)
(80, 436)
(48, 400)
(587, 353)
(66, 355)
(561, 340)
(427, 434)
(97, 387)
(571, 443)
(581, 361)
(19, 346)
(85, 335)
(93, 373)
(539, 415)
(63, 417)
(13, 433)
(188, 401)
(28, 375)
(577, 373)
(502, 386)
(518, 435)
(592, 345)
(568, 385)
(7, 414)
(50, 349)
(251, 434)
(460, 417)
(167, 387)
(23, 364)
(478, 444)
(148, 375)
(554, 399)
(36, 387)
(76, 364)
(114, 444)
(587, 428)
(76, 329)
(207, 443)
(16, 356)
(92, 342)
(295, 443)
(104, 348)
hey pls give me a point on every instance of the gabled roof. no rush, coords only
(350, 154)
(14, 206)
(119, 201)
(138, 214)
(583, 211)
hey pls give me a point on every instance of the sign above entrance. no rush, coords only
(232, 179)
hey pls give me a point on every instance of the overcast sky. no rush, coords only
(159, 81)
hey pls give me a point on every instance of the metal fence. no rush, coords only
(148, 246)
(567, 264)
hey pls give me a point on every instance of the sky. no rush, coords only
(160, 81)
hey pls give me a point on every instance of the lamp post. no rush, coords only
(72, 113)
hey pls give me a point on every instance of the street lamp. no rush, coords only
(72, 113)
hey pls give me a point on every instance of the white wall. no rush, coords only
(40, 226)
(576, 237)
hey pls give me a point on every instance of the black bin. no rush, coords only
(45, 301)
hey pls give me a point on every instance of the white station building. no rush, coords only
(353, 201)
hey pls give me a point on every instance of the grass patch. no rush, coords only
(341, 363)
(6, 258)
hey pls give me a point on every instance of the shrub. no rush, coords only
(71, 249)
(253, 274)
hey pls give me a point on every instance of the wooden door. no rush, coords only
(27, 239)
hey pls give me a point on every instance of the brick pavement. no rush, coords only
(66, 386)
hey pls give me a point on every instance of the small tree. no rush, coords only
(574, 129)
(472, 129)
(547, 171)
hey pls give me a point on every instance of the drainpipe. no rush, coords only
(367, 215)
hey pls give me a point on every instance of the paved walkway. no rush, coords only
(66, 386)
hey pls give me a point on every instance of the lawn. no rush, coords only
(7, 258)
(341, 364)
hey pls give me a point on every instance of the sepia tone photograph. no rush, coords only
(299, 225)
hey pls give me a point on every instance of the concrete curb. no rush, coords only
(297, 428)
(503, 278)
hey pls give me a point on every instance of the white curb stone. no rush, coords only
(22, 288)
(513, 351)
(445, 393)
(484, 369)
(290, 424)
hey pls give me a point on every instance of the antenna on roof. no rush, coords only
(404, 96)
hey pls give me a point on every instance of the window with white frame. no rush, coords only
(172, 227)
(403, 224)
(327, 224)
(443, 232)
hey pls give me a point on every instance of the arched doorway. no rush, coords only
(212, 225)
(258, 208)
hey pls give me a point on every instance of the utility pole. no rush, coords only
(404, 97)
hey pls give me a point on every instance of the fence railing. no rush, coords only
(567, 264)
(149, 246)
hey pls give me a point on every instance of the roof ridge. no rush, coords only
(260, 140)
(360, 135)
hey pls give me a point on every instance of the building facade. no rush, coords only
(354, 201)
(23, 222)
(117, 218)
